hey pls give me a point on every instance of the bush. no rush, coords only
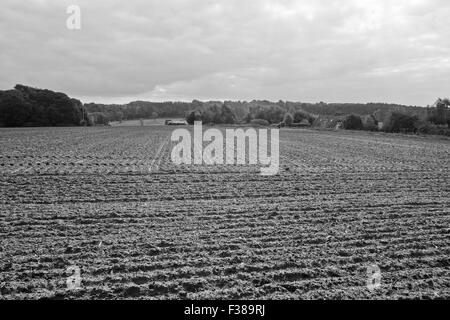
(430, 128)
(227, 115)
(353, 122)
(301, 115)
(370, 123)
(399, 122)
(193, 116)
(100, 118)
(214, 114)
(439, 115)
(288, 119)
(273, 113)
(259, 122)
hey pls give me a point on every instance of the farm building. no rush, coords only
(176, 122)
(304, 123)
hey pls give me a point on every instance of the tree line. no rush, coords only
(432, 120)
(104, 113)
(27, 106)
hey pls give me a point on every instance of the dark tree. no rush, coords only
(27, 106)
(399, 122)
(193, 116)
(353, 122)
(288, 119)
(15, 111)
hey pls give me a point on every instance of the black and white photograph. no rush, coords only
(224, 150)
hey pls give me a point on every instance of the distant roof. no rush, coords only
(176, 122)
(305, 122)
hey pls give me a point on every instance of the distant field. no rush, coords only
(109, 200)
(147, 122)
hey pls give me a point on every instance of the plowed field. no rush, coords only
(110, 201)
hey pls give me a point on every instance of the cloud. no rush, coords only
(338, 50)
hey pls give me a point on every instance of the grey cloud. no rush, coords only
(372, 50)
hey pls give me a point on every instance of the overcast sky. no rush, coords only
(333, 51)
